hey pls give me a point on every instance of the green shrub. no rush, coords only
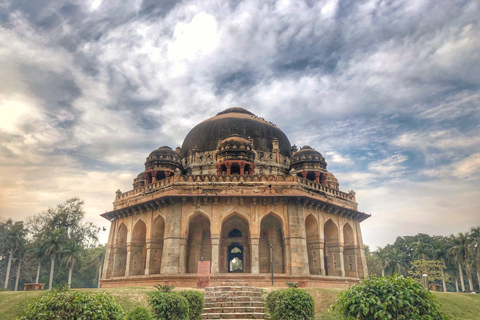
(290, 304)
(195, 303)
(292, 284)
(165, 288)
(73, 305)
(388, 298)
(169, 306)
(139, 313)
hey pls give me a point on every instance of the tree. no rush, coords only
(432, 268)
(14, 241)
(382, 255)
(474, 250)
(439, 252)
(53, 246)
(458, 251)
(70, 254)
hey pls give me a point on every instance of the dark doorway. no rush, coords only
(235, 258)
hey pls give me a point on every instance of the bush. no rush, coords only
(290, 304)
(73, 305)
(388, 298)
(195, 303)
(169, 306)
(139, 313)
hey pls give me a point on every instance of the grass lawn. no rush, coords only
(463, 306)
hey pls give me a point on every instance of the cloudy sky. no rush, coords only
(387, 91)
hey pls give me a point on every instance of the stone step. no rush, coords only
(232, 298)
(234, 283)
(233, 293)
(226, 304)
(234, 310)
(231, 288)
(233, 316)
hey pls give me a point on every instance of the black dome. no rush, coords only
(233, 121)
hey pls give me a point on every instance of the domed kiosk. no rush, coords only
(239, 195)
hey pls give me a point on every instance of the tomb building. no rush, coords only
(239, 195)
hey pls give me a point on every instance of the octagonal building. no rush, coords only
(239, 195)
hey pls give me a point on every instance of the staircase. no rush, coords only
(233, 300)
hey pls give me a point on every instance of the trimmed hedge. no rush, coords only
(73, 305)
(290, 304)
(195, 303)
(169, 306)
(388, 298)
(139, 313)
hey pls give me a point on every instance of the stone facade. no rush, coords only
(231, 202)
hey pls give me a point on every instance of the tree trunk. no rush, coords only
(52, 267)
(70, 271)
(9, 265)
(38, 271)
(443, 282)
(456, 284)
(469, 276)
(383, 271)
(100, 273)
(18, 274)
(460, 271)
(478, 276)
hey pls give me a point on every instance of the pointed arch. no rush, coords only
(276, 216)
(313, 244)
(138, 248)
(332, 246)
(271, 233)
(349, 251)
(120, 251)
(238, 239)
(155, 247)
(199, 241)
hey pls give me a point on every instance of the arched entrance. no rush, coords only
(156, 246)
(235, 258)
(234, 245)
(199, 244)
(120, 253)
(138, 249)
(332, 254)
(349, 256)
(271, 233)
(313, 245)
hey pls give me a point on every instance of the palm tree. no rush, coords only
(396, 261)
(439, 252)
(14, 241)
(53, 245)
(458, 251)
(37, 251)
(71, 254)
(474, 246)
(382, 255)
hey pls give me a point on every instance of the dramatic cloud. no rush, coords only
(387, 91)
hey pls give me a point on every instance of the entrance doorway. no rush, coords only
(235, 258)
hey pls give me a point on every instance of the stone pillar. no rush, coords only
(154, 176)
(322, 259)
(119, 256)
(255, 261)
(183, 256)
(154, 256)
(242, 168)
(109, 254)
(361, 260)
(288, 261)
(317, 176)
(171, 243)
(304, 174)
(342, 261)
(219, 169)
(167, 173)
(129, 260)
(229, 168)
(215, 254)
(298, 241)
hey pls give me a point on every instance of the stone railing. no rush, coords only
(239, 181)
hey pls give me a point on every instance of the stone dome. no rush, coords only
(205, 136)
(163, 155)
(307, 154)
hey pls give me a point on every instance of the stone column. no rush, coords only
(109, 254)
(254, 250)
(242, 168)
(154, 257)
(322, 259)
(298, 241)
(304, 174)
(317, 176)
(342, 261)
(171, 242)
(154, 176)
(129, 260)
(215, 255)
(183, 256)
(288, 261)
(229, 168)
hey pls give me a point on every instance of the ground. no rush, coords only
(463, 306)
